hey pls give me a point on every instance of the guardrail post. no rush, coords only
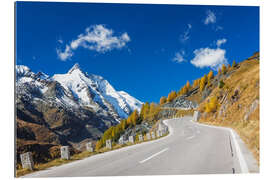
(89, 147)
(65, 152)
(109, 144)
(27, 161)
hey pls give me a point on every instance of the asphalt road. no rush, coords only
(190, 148)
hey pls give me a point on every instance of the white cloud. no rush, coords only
(179, 57)
(207, 57)
(221, 41)
(219, 28)
(210, 17)
(67, 54)
(186, 35)
(95, 38)
(60, 41)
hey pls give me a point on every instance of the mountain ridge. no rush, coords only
(71, 108)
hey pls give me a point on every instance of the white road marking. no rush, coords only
(154, 155)
(240, 156)
(242, 161)
(190, 137)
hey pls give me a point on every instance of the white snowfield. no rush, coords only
(81, 89)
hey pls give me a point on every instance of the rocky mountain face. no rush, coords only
(181, 103)
(66, 108)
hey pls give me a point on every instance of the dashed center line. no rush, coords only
(166, 149)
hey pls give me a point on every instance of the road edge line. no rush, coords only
(240, 156)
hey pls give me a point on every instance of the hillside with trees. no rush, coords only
(229, 98)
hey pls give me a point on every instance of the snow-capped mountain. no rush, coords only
(78, 89)
(95, 91)
(71, 107)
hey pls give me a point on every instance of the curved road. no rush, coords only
(190, 148)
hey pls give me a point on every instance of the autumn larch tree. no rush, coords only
(202, 83)
(188, 85)
(234, 64)
(162, 100)
(171, 96)
(223, 69)
(212, 105)
(134, 117)
(219, 71)
(210, 75)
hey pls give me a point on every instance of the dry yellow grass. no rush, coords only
(246, 80)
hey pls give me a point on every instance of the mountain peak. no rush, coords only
(76, 66)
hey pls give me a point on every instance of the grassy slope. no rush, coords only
(246, 80)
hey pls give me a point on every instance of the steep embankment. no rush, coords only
(238, 104)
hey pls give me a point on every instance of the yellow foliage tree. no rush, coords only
(162, 100)
(134, 117)
(234, 64)
(144, 110)
(196, 83)
(212, 105)
(152, 108)
(171, 96)
(123, 124)
(228, 67)
(223, 69)
(184, 90)
(113, 132)
(219, 71)
(202, 83)
(210, 75)
(129, 121)
(187, 85)
(98, 145)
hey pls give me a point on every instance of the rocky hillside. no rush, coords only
(65, 109)
(238, 103)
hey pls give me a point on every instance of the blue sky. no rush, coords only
(145, 50)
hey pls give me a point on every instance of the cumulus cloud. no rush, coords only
(66, 54)
(186, 35)
(179, 57)
(221, 41)
(210, 57)
(95, 38)
(206, 57)
(210, 17)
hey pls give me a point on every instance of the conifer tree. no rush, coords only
(152, 108)
(146, 110)
(124, 124)
(187, 86)
(184, 90)
(212, 105)
(223, 69)
(162, 100)
(202, 83)
(219, 71)
(210, 75)
(129, 121)
(171, 96)
(234, 64)
(134, 117)
(98, 145)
